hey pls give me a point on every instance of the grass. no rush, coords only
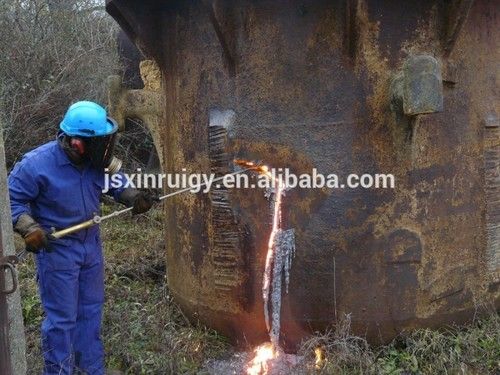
(473, 349)
(144, 332)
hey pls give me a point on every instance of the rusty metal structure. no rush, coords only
(348, 86)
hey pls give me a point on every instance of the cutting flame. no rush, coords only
(259, 168)
(260, 363)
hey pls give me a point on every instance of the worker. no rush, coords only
(57, 185)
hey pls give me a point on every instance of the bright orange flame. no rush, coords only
(252, 166)
(260, 363)
(320, 357)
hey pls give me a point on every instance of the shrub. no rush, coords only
(54, 52)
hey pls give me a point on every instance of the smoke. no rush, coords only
(222, 117)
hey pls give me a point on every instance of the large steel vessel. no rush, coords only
(356, 86)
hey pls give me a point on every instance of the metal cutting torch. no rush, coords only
(96, 220)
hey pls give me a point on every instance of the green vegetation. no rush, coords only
(474, 349)
(146, 333)
(54, 52)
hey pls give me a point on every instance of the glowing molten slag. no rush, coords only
(270, 254)
(269, 351)
(266, 283)
(260, 363)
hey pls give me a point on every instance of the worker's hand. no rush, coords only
(143, 202)
(36, 240)
(34, 236)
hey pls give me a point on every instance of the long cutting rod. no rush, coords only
(98, 219)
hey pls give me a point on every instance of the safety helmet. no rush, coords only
(92, 134)
(87, 119)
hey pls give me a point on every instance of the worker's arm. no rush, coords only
(23, 189)
(115, 191)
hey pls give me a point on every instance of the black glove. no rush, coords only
(34, 236)
(140, 201)
(143, 202)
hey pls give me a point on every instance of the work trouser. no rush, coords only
(71, 283)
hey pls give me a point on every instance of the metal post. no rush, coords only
(5, 363)
(12, 340)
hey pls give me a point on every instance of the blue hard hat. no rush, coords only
(87, 119)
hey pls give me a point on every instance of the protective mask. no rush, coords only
(99, 150)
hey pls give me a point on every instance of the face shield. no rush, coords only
(95, 148)
(91, 136)
(99, 150)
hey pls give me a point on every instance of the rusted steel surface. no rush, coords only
(310, 84)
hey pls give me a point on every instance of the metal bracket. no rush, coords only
(418, 88)
(8, 263)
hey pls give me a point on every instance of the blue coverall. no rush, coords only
(57, 194)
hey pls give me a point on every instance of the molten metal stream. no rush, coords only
(268, 351)
(270, 254)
